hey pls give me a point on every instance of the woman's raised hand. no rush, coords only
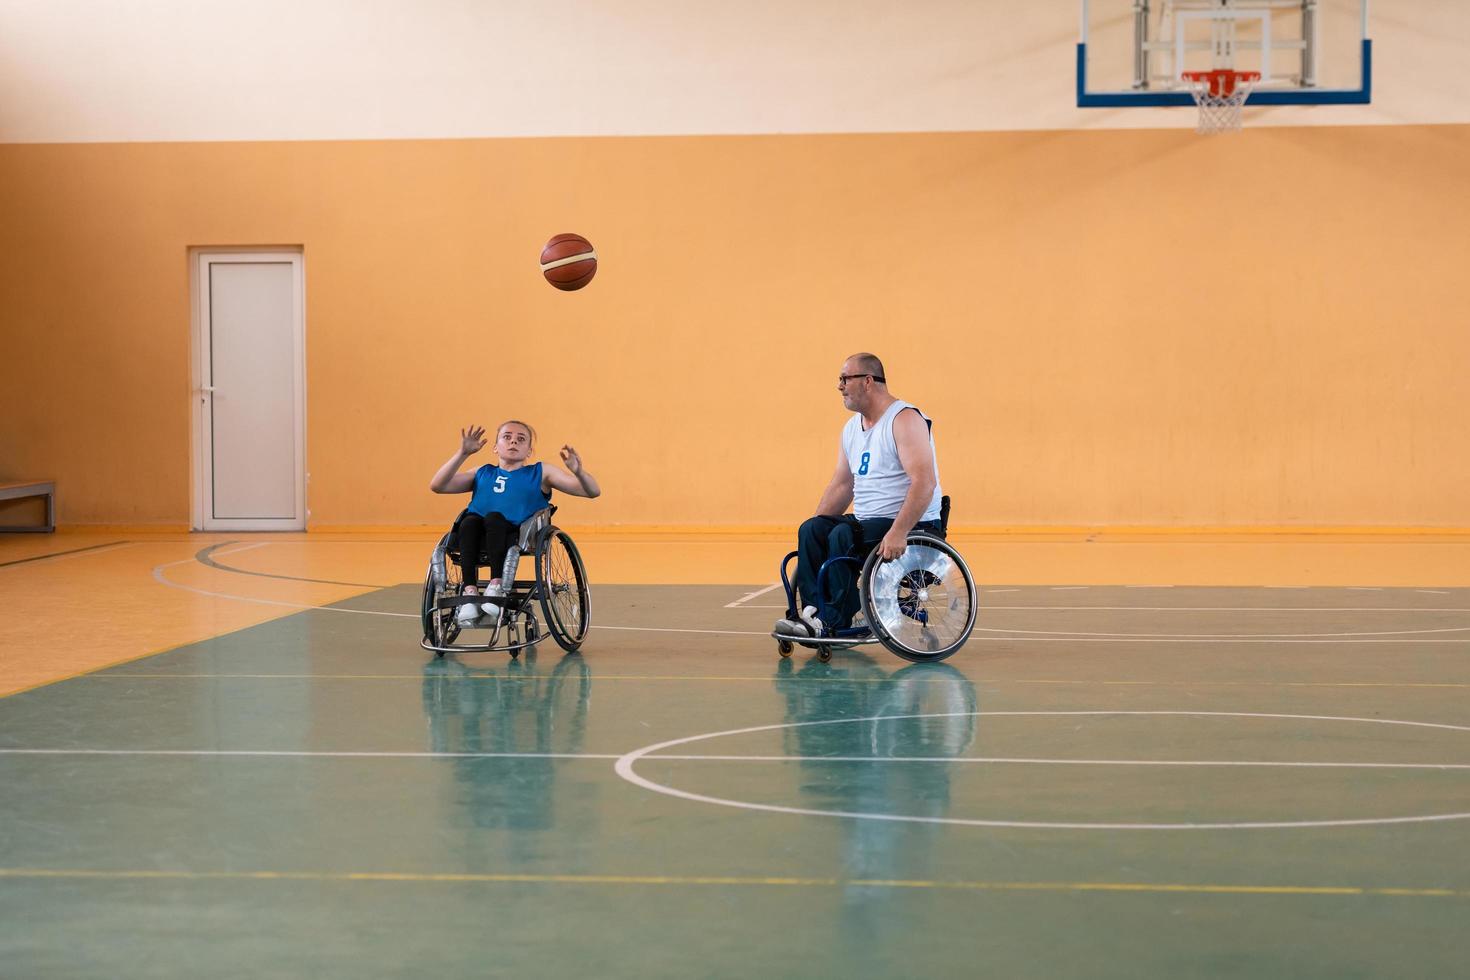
(570, 457)
(472, 440)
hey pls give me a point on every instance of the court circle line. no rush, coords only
(625, 763)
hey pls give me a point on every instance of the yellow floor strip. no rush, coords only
(705, 880)
(726, 880)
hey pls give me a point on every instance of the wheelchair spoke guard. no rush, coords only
(921, 605)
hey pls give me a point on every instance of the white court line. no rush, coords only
(1023, 760)
(236, 551)
(1335, 609)
(994, 591)
(1432, 591)
(1232, 636)
(624, 768)
(1069, 588)
(291, 754)
(600, 756)
(1332, 609)
(164, 580)
(1062, 636)
(746, 598)
(660, 629)
(1043, 635)
(1083, 638)
(1364, 588)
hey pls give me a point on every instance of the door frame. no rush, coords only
(201, 443)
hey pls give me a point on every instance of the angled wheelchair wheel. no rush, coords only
(561, 581)
(442, 580)
(428, 610)
(427, 606)
(921, 605)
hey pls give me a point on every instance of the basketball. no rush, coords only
(568, 261)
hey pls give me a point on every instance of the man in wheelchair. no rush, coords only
(504, 496)
(887, 471)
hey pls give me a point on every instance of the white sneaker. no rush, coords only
(793, 627)
(467, 613)
(492, 609)
(809, 616)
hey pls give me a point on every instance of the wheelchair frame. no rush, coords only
(561, 577)
(912, 604)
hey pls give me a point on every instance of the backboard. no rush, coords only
(1308, 52)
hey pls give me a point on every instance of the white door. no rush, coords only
(249, 392)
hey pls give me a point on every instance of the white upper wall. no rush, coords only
(158, 70)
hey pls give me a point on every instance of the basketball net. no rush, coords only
(1220, 95)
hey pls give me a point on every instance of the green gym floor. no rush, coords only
(1107, 781)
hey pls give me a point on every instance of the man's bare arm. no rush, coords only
(838, 495)
(916, 456)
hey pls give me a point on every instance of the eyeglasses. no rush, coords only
(843, 379)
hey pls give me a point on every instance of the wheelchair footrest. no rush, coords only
(514, 602)
(847, 638)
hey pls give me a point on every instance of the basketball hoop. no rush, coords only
(1220, 94)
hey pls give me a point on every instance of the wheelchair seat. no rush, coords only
(530, 531)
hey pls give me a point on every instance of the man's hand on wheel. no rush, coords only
(892, 545)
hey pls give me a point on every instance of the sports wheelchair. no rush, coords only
(921, 605)
(560, 587)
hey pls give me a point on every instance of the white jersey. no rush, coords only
(879, 484)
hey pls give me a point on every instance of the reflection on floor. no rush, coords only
(1278, 776)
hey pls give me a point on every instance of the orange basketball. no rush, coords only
(568, 261)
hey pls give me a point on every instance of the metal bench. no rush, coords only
(33, 488)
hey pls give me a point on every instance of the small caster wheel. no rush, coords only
(825, 654)
(515, 654)
(784, 647)
(438, 654)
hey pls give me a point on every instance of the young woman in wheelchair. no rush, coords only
(504, 495)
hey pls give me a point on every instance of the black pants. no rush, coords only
(493, 535)
(821, 538)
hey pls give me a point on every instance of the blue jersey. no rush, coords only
(514, 494)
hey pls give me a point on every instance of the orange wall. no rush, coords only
(1135, 328)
